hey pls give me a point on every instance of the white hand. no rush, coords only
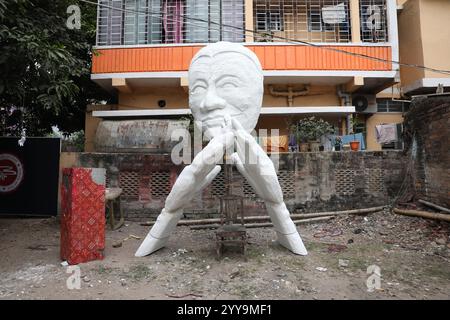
(257, 167)
(199, 174)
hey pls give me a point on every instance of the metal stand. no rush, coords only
(232, 229)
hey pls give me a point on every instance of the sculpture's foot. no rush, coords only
(160, 232)
(293, 242)
(150, 245)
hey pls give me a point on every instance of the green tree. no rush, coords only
(45, 66)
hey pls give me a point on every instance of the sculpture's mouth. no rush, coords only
(214, 122)
(216, 119)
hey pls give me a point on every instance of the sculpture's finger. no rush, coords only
(240, 148)
(237, 125)
(243, 138)
(213, 152)
(208, 179)
(240, 132)
(228, 124)
(241, 168)
(205, 161)
(238, 163)
(260, 157)
(226, 139)
(182, 189)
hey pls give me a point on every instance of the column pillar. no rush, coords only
(355, 21)
(248, 5)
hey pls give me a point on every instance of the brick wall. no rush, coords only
(311, 182)
(427, 129)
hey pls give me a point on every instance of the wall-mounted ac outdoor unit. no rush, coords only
(364, 103)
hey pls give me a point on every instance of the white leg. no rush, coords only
(287, 233)
(160, 232)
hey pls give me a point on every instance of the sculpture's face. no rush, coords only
(228, 83)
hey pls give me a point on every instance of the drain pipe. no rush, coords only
(289, 94)
(346, 100)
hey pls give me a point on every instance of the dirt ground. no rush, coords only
(413, 256)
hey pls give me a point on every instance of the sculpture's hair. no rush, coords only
(221, 47)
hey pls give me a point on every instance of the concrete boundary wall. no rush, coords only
(311, 182)
(427, 128)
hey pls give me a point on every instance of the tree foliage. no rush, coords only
(45, 67)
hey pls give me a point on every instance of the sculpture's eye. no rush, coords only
(228, 85)
(199, 88)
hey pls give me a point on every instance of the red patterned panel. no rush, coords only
(82, 216)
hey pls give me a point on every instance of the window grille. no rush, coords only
(304, 20)
(131, 22)
(373, 20)
(388, 105)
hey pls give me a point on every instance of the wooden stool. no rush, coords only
(112, 198)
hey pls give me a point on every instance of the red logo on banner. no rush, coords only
(11, 172)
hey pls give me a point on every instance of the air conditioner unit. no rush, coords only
(364, 103)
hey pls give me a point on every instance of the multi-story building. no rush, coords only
(144, 48)
(424, 40)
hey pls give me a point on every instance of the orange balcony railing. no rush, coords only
(272, 57)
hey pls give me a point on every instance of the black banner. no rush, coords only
(29, 176)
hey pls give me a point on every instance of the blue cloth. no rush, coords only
(356, 137)
(292, 140)
(328, 142)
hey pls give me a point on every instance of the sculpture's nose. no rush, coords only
(212, 101)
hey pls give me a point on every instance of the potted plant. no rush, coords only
(302, 140)
(354, 145)
(312, 129)
(302, 135)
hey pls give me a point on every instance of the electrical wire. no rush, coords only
(287, 40)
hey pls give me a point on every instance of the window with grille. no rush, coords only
(304, 20)
(269, 21)
(388, 105)
(275, 21)
(315, 19)
(130, 22)
(328, 15)
(373, 18)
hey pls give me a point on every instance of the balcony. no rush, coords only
(146, 22)
(142, 39)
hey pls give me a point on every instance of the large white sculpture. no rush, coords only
(225, 96)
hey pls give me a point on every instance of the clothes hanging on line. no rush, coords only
(334, 14)
(386, 133)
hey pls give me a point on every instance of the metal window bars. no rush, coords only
(390, 105)
(131, 22)
(304, 20)
(373, 18)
